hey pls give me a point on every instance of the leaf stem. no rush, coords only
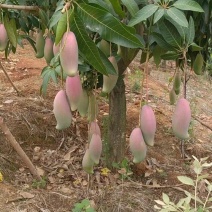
(195, 194)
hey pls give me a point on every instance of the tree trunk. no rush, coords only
(116, 124)
(116, 135)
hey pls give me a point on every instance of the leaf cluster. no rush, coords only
(192, 201)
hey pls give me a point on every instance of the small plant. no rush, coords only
(192, 202)
(124, 169)
(39, 183)
(83, 206)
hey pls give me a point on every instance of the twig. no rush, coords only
(197, 119)
(64, 196)
(5, 72)
(19, 7)
(18, 149)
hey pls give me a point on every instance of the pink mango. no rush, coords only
(181, 119)
(69, 54)
(110, 81)
(137, 145)
(95, 148)
(93, 129)
(73, 91)
(87, 163)
(83, 103)
(62, 110)
(3, 37)
(48, 50)
(148, 124)
(56, 49)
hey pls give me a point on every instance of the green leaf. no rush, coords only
(166, 198)
(170, 34)
(131, 6)
(55, 18)
(10, 31)
(195, 47)
(117, 7)
(197, 167)
(46, 74)
(107, 6)
(186, 180)
(158, 15)
(62, 24)
(190, 32)
(143, 14)
(43, 16)
(157, 52)
(177, 16)
(170, 55)
(188, 5)
(109, 28)
(158, 38)
(109, 67)
(86, 46)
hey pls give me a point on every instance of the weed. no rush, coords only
(192, 202)
(123, 169)
(83, 206)
(39, 183)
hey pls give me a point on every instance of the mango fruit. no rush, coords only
(198, 64)
(56, 49)
(3, 37)
(177, 82)
(148, 124)
(48, 50)
(62, 111)
(87, 163)
(73, 91)
(95, 148)
(92, 108)
(83, 103)
(181, 119)
(137, 145)
(172, 96)
(39, 44)
(69, 54)
(93, 129)
(109, 81)
(104, 46)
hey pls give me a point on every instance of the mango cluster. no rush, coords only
(144, 135)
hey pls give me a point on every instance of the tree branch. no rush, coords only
(5, 72)
(18, 149)
(19, 7)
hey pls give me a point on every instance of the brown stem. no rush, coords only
(19, 7)
(5, 72)
(18, 149)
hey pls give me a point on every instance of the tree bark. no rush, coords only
(116, 134)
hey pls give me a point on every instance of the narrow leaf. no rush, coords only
(62, 25)
(131, 6)
(188, 5)
(87, 47)
(143, 14)
(43, 16)
(186, 180)
(55, 18)
(190, 32)
(170, 33)
(177, 16)
(158, 15)
(10, 31)
(195, 47)
(109, 28)
(117, 7)
(166, 198)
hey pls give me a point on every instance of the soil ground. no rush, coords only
(57, 155)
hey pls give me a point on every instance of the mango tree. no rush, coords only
(89, 44)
